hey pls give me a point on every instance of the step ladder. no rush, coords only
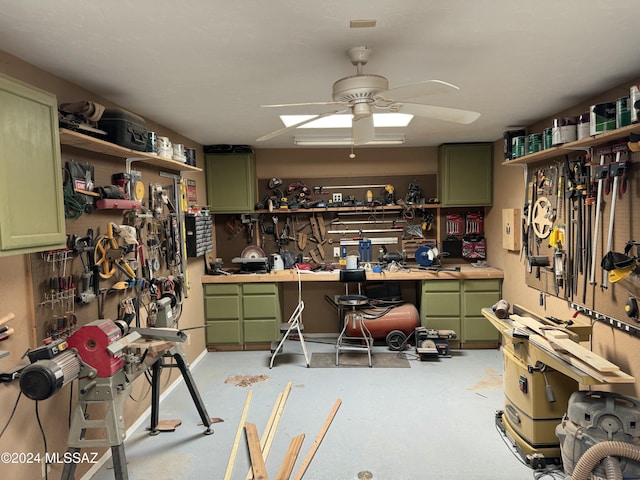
(292, 327)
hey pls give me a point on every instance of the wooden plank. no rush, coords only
(600, 377)
(272, 424)
(257, 460)
(316, 443)
(286, 468)
(535, 325)
(584, 354)
(234, 449)
(561, 340)
(267, 429)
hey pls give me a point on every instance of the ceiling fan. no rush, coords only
(362, 93)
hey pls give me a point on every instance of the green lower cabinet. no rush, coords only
(239, 314)
(440, 305)
(456, 305)
(476, 295)
(222, 313)
(261, 312)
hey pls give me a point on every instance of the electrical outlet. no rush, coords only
(336, 252)
(337, 198)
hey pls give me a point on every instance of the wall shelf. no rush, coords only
(85, 142)
(364, 209)
(585, 143)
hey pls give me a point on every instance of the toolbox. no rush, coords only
(124, 128)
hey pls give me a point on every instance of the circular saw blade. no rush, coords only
(252, 251)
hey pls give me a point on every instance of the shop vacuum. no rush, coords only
(600, 435)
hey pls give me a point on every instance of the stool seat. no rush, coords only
(353, 300)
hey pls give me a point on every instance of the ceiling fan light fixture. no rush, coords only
(346, 141)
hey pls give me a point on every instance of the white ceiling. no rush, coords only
(204, 67)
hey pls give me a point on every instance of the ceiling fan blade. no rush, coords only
(271, 135)
(303, 104)
(362, 130)
(415, 90)
(439, 113)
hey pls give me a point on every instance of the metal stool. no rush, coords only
(360, 339)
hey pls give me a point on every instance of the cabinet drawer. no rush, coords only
(481, 285)
(442, 323)
(444, 304)
(222, 289)
(227, 331)
(474, 302)
(441, 286)
(478, 329)
(259, 288)
(260, 306)
(260, 330)
(222, 308)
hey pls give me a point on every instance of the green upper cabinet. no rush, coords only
(465, 174)
(231, 182)
(31, 203)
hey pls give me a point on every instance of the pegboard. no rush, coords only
(57, 309)
(566, 208)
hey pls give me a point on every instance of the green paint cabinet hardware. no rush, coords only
(465, 174)
(31, 203)
(231, 182)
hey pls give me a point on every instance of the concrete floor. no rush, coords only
(434, 420)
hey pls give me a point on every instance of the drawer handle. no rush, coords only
(513, 415)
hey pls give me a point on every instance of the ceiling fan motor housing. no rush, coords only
(359, 88)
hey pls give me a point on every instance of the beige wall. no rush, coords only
(509, 192)
(16, 295)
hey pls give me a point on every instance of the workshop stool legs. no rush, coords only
(360, 340)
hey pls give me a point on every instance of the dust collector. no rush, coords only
(600, 434)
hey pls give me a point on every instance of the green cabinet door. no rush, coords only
(231, 182)
(222, 312)
(478, 294)
(260, 312)
(31, 203)
(241, 313)
(440, 305)
(465, 174)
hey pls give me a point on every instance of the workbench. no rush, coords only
(243, 311)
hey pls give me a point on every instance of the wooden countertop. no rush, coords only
(466, 272)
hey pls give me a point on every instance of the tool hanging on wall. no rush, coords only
(617, 170)
(601, 174)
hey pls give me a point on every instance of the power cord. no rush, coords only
(13, 411)
(44, 440)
